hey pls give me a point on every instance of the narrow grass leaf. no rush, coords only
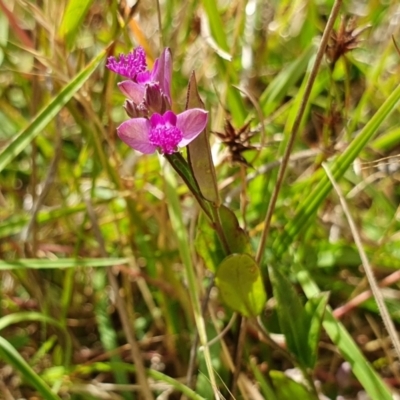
(388, 141)
(315, 311)
(292, 318)
(29, 316)
(72, 19)
(9, 354)
(35, 263)
(20, 317)
(216, 25)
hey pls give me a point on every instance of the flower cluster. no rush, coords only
(153, 126)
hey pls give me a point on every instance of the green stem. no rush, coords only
(180, 165)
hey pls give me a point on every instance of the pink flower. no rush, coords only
(163, 132)
(147, 90)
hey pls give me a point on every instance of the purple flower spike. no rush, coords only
(164, 132)
(129, 65)
(159, 79)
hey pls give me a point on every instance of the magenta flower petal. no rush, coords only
(135, 133)
(162, 72)
(163, 132)
(169, 118)
(191, 122)
(156, 119)
(143, 77)
(132, 90)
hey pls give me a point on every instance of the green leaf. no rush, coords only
(291, 316)
(72, 19)
(387, 141)
(36, 263)
(315, 311)
(237, 238)
(288, 389)
(28, 316)
(300, 325)
(208, 244)
(8, 353)
(239, 281)
(216, 25)
(25, 137)
(199, 151)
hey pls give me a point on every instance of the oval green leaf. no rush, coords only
(239, 281)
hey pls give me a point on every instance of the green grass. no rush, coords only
(107, 256)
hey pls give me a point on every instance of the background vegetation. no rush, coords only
(96, 239)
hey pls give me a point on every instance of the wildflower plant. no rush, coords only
(137, 272)
(154, 127)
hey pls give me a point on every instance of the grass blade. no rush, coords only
(34, 263)
(9, 353)
(72, 19)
